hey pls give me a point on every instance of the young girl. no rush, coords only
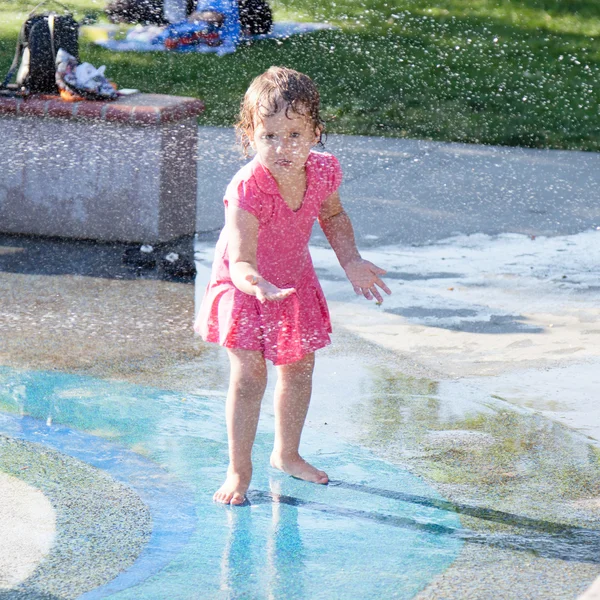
(264, 300)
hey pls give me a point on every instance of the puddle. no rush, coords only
(512, 484)
(477, 446)
(566, 394)
(518, 480)
(294, 540)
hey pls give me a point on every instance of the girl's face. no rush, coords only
(283, 142)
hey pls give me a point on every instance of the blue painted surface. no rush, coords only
(294, 540)
(171, 503)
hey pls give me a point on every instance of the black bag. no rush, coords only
(39, 40)
(149, 12)
(255, 16)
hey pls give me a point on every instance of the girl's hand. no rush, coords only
(364, 276)
(266, 291)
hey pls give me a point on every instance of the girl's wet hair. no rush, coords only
(276, 89)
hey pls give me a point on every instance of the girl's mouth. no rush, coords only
(283, 163)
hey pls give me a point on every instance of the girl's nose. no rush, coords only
(287, 144)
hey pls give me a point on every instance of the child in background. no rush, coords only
(263, 300)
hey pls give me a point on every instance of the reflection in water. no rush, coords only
(18, 394)
(285, 554)
(237, 567)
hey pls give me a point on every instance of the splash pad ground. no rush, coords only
(112, 411)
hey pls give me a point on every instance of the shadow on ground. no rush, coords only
(496, 324)
(110, 260)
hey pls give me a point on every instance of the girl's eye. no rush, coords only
(270, 136)
(295, 134)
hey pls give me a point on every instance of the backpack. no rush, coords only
(148, 12)
(40, 38)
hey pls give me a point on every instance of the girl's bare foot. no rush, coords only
(233, 491)
(296, 466)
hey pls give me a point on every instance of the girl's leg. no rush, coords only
(292, 397)
(248, 379)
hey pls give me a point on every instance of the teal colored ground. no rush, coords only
(371, 533)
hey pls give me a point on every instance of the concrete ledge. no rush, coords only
(138, 109)
(108, 171)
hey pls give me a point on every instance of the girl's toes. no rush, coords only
(232, 491)
(221, 498)
(322, 477)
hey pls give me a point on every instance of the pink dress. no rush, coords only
(284, 331)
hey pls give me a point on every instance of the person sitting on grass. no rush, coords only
(255, 15)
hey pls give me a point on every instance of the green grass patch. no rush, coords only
(504, 72)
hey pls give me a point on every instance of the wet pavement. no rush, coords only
(459, 421)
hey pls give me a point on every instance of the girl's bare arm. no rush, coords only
(242, 243)
(337, 227)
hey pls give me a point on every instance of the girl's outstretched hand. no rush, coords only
(266, 291)
(364, 277)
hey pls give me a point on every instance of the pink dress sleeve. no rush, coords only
(245, 195)
(333, 173)
(326, 173)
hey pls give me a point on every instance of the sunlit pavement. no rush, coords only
(459, 420)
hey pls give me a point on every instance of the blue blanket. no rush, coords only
(151, 38)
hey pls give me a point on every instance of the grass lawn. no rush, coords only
(506, 72)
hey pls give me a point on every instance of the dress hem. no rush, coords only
(273, 360)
